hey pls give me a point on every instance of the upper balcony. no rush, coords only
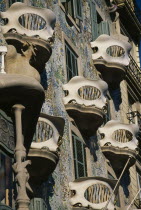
(43, 151)
(129, 18)
(85, 101)
(118, 142)
(92, 192)
(23, 59)
(111, 56)
(30, 29)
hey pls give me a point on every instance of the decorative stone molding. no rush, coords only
(119, 135)
(3, 51)
(13, 60)
(85, 102)
(98, 191)
(47, 135)
(85, 92)
(24, 17)
(111, 50)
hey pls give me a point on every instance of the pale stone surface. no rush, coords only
(76, 83)
(20, 9)
(103, 42)
(112, 126)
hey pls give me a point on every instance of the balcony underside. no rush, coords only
(43, 163)
(43, 49)
(19, 89)
(111, 73)
(87, 119)
(118, 157)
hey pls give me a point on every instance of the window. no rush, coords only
(73, 8)
(79, 154)
(6, 179)
(98, 25)
(71, 62)
(13, 1)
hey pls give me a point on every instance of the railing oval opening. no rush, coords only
(122, 136)
(115, 51)
(97, 193)
(89, 93)
(43, 132)
(32, 21)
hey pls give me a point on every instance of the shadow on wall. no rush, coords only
(125, 182)
(116, 96)
(44, 80)
(93, 146)
(48, 191)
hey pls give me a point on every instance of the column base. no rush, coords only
(22, 204)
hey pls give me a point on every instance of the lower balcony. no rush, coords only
(118, 142)
(92, 192)
(85, 101)
(43, 152)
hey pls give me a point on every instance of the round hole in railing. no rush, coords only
(115, 51)
(122, 136)
(43, 132)
(32, 21)
(66, 92)
(97, 193)
(95, 49)
(89, 93)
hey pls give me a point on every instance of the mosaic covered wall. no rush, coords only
(58, 195)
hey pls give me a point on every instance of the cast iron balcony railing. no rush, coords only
(92, 192)
(134, 71)
(85, 102)
(44, 148)
(111, 56)
(118, 142)
(130, 17)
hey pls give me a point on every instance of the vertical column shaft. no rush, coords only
(20, 164)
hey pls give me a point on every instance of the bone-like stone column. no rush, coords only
(20, 164)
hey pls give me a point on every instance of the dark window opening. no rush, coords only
(71, 62)
(79, 154)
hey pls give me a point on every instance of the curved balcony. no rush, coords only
(43, 152)
(111, 56)
(118, 142)
(92, 192)
(85, 101)
(30, 29)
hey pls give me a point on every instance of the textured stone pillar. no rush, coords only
(20, 164)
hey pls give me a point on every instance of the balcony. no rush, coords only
(111, 56)
(43, 152)
(118, 142)
(92, 192)
(85, 101)
(129, 18)
(30, 31)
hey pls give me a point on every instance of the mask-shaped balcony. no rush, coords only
(30, 29)
(43, 152)
(92, 192)
(111, 56)
(118, 142)
(84, 101)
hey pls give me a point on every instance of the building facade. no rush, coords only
(70, 105)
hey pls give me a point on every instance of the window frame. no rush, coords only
(65, 39)
(76, 16)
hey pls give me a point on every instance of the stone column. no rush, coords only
(20, 164)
